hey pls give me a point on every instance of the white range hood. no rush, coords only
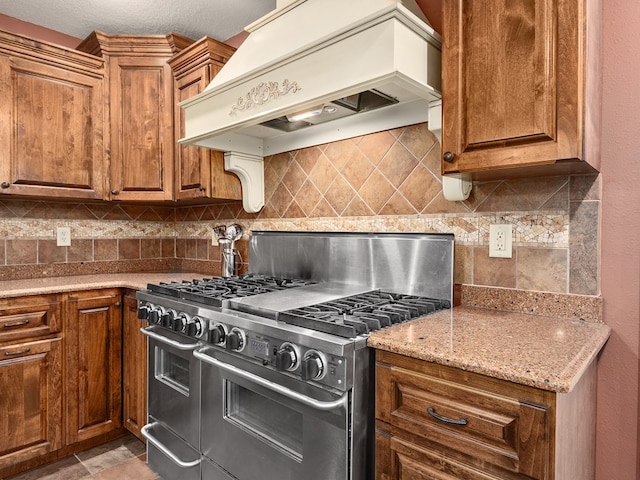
(356, 67)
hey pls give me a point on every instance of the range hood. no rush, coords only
(313, 72)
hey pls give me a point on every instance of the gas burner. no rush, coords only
(212, 291)
(360, 314)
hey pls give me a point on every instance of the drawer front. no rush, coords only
(26, 317)
(453, 414)
(402, 459)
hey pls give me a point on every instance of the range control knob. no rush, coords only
(287, 358)
(313, 365)
(195, 328)
(236, 340)
(155, 315)
(217, 334)
(181, 324)
(168, 319)
(143, 312)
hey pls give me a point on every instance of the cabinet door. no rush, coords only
(134, 381)
(30, 400)
(93, 365)
(200, 172)
(513, 84)
(141, 101)
(51, 126)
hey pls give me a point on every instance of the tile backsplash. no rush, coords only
(388, 181)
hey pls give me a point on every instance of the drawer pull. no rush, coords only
(18, 352)
(16, 324)
(450, 421)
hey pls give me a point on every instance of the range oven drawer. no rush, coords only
(169, 455)
(174, 383)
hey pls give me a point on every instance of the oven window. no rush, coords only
(272, 422)
(172, 370)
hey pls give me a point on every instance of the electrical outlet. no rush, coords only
(500, 240)
(214, 238)
(63, 235)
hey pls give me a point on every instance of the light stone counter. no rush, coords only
(74, 283)
(544, 352)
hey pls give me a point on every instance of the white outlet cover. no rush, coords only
(63, 237)
(500, 241)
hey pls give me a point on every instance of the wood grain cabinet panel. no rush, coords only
(93, 364)
(51, 121)
(134, 375)
(199, 172)
(30, 402)
(436, 422)
(30, 316)
(521, 87)
(140, 102)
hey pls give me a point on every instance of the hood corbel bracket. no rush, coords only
(250, 171)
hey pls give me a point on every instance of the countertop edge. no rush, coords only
(560, 381)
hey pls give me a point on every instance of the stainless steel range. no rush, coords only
(267, 375)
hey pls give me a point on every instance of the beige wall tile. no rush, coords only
(497, 272)
(542, 269)
(21, 252)
(49, 252)
(105, 249)
(81, 250)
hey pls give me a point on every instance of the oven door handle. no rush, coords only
(149, 332)
(287, 392)
(156, 443)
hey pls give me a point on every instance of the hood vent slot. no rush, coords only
(342, 107)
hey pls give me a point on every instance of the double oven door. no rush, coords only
(262, 424)
(173, 402)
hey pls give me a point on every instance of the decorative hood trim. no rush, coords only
(353, 68)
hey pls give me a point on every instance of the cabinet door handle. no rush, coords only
(114, 192)
(17, 352)
(15, 324)
(5, 184)
(448, 157)
(449, 421)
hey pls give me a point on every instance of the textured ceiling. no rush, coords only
(220, 19)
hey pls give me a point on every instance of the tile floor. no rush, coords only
(120, 459)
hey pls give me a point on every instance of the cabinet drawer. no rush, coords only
(24, 317)
(397, 458)
(469, 417)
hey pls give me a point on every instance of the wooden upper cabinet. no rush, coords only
(521, 87)
(140, 101)
(199, 172)
(51, 120)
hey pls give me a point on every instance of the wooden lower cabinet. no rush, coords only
(134, 374)
(30, 400)
(440, 423)
(93, 364)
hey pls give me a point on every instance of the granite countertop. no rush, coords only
(540, 351)
(543, 352)
(74, 283)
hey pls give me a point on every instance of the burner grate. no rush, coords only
(212, 291)
(361, 314)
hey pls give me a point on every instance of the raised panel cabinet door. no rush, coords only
(30, 400)
(199, 172)
(134, 381)
(141, 100)
(51, 131)
(93, 365)
(513, 84)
